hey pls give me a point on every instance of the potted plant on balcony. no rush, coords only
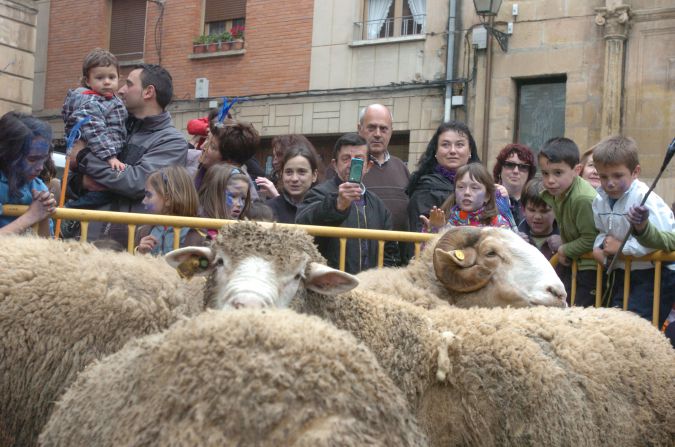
(225, 40)
(199, 44)
(237, 33)
(212, 43)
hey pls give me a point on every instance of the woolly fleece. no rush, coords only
(64, 304)
(263, 378)
(537, 376)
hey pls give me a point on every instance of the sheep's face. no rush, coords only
(252, 266)
(495, 265)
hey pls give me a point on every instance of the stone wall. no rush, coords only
(566, 37)
(17, 59)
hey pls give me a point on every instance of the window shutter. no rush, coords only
(127, 29)
(220, 10)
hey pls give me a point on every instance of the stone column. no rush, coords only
(615, 20)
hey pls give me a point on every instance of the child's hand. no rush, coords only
(562, 259)
(437, 217)
(502, 190)
(146, 244)
(115, 164)
(611, 246)
(599, 256)
(267, 188)
(638, 216)
(554, 242)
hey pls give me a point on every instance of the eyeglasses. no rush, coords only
(511, 165)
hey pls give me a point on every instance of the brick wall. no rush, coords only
(277, 57)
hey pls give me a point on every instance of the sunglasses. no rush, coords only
(511, 165)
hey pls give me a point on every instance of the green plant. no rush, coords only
(212, 38)
(201, 40)
(225, 36)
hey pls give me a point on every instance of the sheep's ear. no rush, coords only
(190, 261)
(329, 281)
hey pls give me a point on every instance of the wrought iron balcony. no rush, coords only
(390, 27)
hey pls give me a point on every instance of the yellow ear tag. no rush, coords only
(188, 268)
(459, 254)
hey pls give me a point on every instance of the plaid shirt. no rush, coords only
(105, 135)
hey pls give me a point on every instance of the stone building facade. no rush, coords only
(18, 20)
(582, 68)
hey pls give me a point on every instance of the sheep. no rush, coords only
(64, 304)
(254, 266)
(251, 265)
(553, 379)
(486, 267)
(252, 377)
(527, 376)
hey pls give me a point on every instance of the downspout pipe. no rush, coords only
(450, 62)
(488, 96)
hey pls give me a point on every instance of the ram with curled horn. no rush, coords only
(470, 266)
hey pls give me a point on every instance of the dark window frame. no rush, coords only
(520, 82)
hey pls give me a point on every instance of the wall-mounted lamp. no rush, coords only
(490, 8)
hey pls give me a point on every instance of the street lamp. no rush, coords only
(490, 8)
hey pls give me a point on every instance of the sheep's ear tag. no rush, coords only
(459, 254)
(188, 268)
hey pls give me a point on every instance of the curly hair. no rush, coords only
(428, 161)
(237, 140)
(523, 152)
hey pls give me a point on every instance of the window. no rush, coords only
(127, 29)
(393, 18)
(541, 111)
(224, 15)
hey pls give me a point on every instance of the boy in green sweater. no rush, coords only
(571, 198)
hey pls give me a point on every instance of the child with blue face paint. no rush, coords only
(225, 193)
(169, 191)
(24, 148)
(474, 202)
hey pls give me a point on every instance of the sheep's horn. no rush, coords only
(455, 261)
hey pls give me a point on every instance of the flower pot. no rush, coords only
(225, 45)
(237, 44)
(198, 48)
(212, 47)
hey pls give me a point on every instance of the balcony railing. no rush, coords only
(390, 27)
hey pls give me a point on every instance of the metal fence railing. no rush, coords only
(132, 220)
(390, 27)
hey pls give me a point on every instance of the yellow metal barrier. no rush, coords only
(134, 219)
(657, 257)
(178, 222)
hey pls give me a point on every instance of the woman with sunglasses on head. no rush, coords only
(514, 168)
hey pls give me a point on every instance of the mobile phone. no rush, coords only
(355, 170)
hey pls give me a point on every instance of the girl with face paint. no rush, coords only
(169, 191)
(472, 204)
(24, 148)
(225, 193)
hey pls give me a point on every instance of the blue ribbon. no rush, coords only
(75, 133)
(225, 108)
